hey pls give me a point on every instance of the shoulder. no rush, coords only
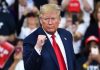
(64, 31)
(32, 38)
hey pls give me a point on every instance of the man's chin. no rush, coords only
(51, 32)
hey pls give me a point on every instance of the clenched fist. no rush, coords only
(40, 41)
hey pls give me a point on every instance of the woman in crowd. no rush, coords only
(90, 59)
(31, 24)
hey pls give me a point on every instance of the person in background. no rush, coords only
(22, 5)
(90, 59)
(31, 25)
(85, 6)
(73, 24)
(7, 27)
(18, 60)
(49, 47)
(94, 28)
(23, 11)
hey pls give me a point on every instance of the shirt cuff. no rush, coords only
(38, 50)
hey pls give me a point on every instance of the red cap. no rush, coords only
(74, 6)
(91, 38)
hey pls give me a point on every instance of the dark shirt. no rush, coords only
(7, 24)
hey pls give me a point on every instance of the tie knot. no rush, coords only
(53, 36)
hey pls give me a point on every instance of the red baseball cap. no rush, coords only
(91, 38)
(74, 6)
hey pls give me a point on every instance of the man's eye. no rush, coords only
(46, 19)
(49, 19)
(52, 18)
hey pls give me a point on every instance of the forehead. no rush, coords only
(50, 14)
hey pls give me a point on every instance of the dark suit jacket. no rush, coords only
(47, 60)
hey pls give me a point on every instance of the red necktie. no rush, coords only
(58, 53)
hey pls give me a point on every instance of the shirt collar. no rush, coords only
(49, 35)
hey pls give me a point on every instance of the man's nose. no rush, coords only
(50, 21)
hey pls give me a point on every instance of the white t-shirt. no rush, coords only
(20, 65)
(25, 31)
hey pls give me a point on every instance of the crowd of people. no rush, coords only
(20, 18)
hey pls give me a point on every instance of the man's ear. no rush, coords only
(40, 20)
(60, 18)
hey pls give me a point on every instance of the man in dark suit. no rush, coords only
(49, 47)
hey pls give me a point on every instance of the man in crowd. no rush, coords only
(49, 47)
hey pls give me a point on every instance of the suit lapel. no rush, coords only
(65, 41)
(51, 51)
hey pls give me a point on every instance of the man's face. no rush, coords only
(50, 22)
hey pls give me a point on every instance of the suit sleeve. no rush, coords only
(32, 60)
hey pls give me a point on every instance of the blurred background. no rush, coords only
(19, 18)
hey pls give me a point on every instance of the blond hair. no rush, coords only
(96, 10)
(49, 8)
